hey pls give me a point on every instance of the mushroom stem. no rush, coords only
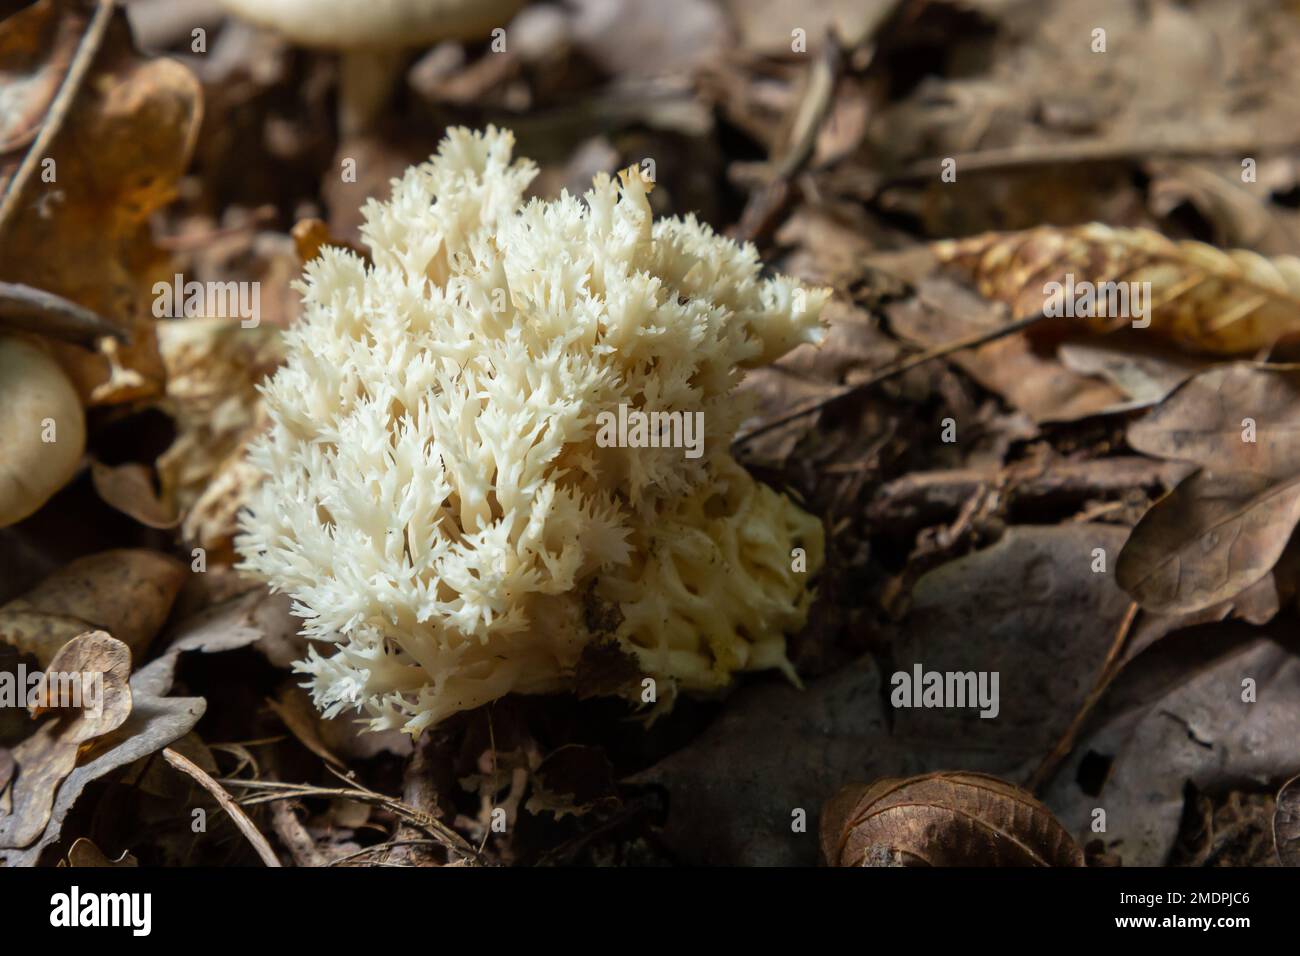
(367, 79)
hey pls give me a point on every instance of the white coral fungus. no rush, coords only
(434, 496)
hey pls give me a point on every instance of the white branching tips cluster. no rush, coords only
(435, 497)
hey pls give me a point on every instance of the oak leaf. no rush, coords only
(1224, 527)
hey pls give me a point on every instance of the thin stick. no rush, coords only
(278, 790)
(1109, 668)
(809, 114)
(236, 813)
(1085, 151)
(889, 371)
(295, 836)
(380, 847)
(58, 111)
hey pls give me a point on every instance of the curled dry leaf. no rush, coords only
(127, 592)
(1146, 375)
(155, 722)
(1202, 298)
(106, 661)
(294, 707)
(129, 489)
(1224, 528)
(47, 757)
(1286, 823)
(943, 819)
(84, 853)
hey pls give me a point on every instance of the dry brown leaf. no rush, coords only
(943, 819)
(1203, 422)
(1202, 298)
(49, 755)
(1237, 212)
(300, 716)
(1286, 823)
(155, 722)
(251, 617)
(1208, 540)
(84, 853)
(117, 154)
(1144, 374)
(129, 489)
(1176, 719)
(854, 346)
(102, 655)
(1224, 528)
(36, 47)
(1028, 608)
(1036, 384)
(127, 592)
(43, 761)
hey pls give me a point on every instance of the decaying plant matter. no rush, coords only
(943, 819)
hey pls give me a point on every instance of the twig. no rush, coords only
(810, 112)
(227, 802)
(1109, 668)
(889, 371)
(58, 111)
(931, 496)
(295, 836)
(386, 846)
(277, 790)
(1081, 151)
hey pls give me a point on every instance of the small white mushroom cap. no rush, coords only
(37, 403)
(351, 24)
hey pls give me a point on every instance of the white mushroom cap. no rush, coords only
(36, 402)
(347, 24)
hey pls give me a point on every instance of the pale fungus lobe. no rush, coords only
(42, 428)
(445, 493)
